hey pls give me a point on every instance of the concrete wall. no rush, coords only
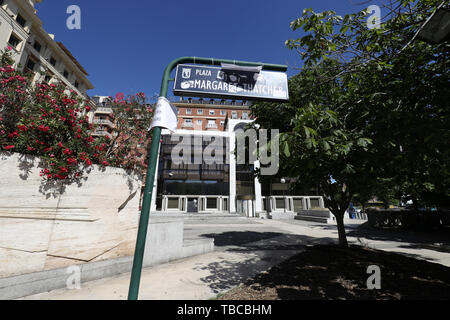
(44, 226)
(164, 243)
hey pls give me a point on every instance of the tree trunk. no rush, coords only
(341, 229)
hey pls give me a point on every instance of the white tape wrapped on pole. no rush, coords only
(165, 115)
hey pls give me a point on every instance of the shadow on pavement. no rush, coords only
(260, 251)
(436, 241)
(332, 272)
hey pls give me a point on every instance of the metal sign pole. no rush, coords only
(136, 271)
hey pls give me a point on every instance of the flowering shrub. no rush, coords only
(46, 121)
(128, 148)
(50, 121)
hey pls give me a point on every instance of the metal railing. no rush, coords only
(102, 121)
(102, 133)
(104, 110)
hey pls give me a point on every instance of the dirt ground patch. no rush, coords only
(329, 272)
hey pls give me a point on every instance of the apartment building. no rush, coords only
(102, 117)
(209, 114)
(35, 51)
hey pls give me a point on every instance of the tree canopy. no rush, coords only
(369, 110)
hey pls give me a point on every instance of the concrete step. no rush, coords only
(197, 216)
(41, 213)
(311, 218)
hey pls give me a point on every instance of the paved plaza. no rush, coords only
(243, 248)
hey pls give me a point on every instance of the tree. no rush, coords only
(368, 110)
(132, 118)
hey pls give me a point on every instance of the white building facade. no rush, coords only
(35, 51)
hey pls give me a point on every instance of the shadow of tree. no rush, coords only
(225, 275)
(26, 164)
(332, 272)
(260, 251)
(437, 241)
(54, 188)
(50, 188)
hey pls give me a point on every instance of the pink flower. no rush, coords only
(13, 135)
(71, 161)
(43, 128)
(9, 147)
(119, 96)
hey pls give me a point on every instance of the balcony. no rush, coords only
(104, 122)
(102, 133)
(212, 126)
(104, 110)
(187, 125)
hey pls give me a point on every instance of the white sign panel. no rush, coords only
(165, 115)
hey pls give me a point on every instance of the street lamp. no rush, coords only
(283, 181)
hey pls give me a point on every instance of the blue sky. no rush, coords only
(125, 45)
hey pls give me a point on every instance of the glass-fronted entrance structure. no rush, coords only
(193, 177)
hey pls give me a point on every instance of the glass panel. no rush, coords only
(279, 203)
(211, 203)
(315, 203)
(298, 205)
(172, 203)
(225, 204)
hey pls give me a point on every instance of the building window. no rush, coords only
(188, 111)
(245, 115)
(14, 41)
(211, 124)
(187, 123)
(212, 112)
(66, 74)
(199, 122)
(211, 203)
(222, 123)
(30, 65)
(199, 111)
(223, 113)
(37, 46)
(20, 20)
(234, 115)
(52, 61)
(76, 84)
